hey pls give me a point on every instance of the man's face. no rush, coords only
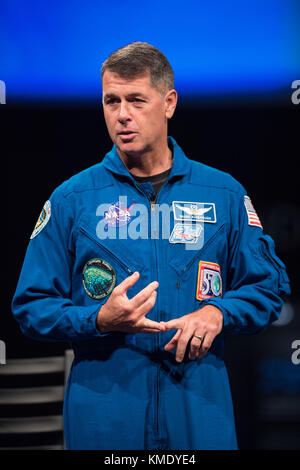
(135, 113)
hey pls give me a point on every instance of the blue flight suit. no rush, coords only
(124, 391)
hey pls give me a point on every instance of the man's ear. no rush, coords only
(170, 103)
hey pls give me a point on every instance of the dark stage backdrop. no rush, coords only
(259, 145)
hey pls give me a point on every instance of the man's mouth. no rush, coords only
(126, 134)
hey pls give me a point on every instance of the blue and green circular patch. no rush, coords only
(99, 278)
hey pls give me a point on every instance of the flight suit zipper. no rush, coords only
(153, 209)
(156, 337)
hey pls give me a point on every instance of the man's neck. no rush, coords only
(148, 163)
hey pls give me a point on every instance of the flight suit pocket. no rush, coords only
(99, 268)
(200, 275)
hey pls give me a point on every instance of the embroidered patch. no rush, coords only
(117, 214)
(209, 282)
(42, 220)
(185, 233)
(195, 211)
(253, 218)
(99, 278)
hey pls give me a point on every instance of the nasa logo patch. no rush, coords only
(42, 220)
(209, 282)
(117, 214)
(98, 278)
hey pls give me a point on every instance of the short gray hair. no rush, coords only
(136, 59)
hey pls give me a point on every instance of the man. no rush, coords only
(146, 309)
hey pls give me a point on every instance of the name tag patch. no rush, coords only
(194, 211)
(209, 281)
(185, 233)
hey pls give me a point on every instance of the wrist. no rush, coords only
(216, 313)
(100, 322)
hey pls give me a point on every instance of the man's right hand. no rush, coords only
(120, 313)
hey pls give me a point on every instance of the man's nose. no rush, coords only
(124, 114)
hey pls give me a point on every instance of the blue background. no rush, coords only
(54, 50)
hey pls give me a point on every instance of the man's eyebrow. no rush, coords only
(109, 95)
(130, 95)
(133, 95)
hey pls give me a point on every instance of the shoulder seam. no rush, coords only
(234, 190)
(87, 189)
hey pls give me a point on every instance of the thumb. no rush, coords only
(175, 323)
(129, 282)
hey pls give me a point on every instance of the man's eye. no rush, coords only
(111, 100)
(139, 102)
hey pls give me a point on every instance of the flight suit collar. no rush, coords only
(180, 165)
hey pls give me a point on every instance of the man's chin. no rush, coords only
(129, 148)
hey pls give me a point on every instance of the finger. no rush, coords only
(205, 345)
(173, 343)
(128, 282)
(146, 306)
(182, 344)
(195, 346)
(143, 295)
(175, 323)
(146, 323)
(149, 326)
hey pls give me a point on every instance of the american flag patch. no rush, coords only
(253, 218)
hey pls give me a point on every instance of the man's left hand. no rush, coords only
(205, 323)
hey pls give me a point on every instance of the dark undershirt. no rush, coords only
(156, 180)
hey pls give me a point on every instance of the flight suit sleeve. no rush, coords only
(42, 302)
(256, 278)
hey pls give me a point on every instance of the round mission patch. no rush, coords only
(216, 284)
(99, 278)
(42, 220)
